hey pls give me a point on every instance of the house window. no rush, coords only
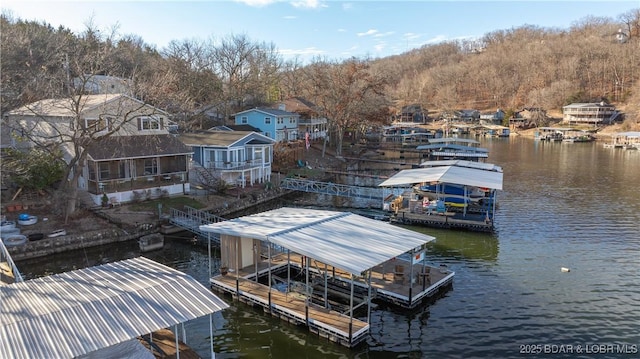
(267, 120)
(96, 124)
(244, 119)
(292, 120)
(103, 167)
(148, 123)
(267, 134)
(280, 120)
(150, 166)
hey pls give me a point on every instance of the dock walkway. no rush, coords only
(295, 309)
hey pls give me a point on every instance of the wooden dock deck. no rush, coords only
(162, 344)
(472, 222)
(387, 284)
(293, 307)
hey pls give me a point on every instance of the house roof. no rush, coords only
(74, 313)
(246, 128)
(223, 138)
(447, 174)
(343, 240)
(298, 104)
(588, 104)
(64, 107)
(269, 111)
(119, 147)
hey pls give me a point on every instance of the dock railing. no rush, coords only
(5, 257)
(191, 219)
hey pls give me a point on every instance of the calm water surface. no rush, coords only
(563, 205)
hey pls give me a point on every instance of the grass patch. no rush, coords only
(170, 202)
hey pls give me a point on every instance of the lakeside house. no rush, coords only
(589, 113)
(236, 157)
(310, 122)
(130, 151)
(277, 124)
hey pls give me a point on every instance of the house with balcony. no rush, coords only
(277, 124)
(310, 120)
(130, 153)
(589, 113)
(239, 158)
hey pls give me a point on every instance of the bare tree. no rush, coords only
(345, 93)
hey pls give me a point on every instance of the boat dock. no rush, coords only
(318, 268)
(453, 220)
(405, 288)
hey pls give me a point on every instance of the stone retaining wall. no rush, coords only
(46, 246)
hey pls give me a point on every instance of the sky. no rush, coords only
(304, 29)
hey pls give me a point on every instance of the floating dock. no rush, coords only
(405, 289)
(323, 269)
(448, 220)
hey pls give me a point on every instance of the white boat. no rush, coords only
(151, 242)
(14, 240)
(57, 233)
(27, 220)
(7, 225)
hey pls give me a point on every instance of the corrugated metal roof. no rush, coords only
(453, 146)
(459, 154)
(447, 174)
(343, 240)
(74, 313)
(463, 163)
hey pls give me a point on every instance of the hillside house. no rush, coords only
(589, 113)
(277, 124)
(130, 153)
(309, 121)
(411, 113)
(493, 117)
(236, 157)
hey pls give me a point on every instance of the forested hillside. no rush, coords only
(596, 59)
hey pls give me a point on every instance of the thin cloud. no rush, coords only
(257, 3)
(307, 4)
(411, 36)
(388, 33)
(368, 33)
(342, 30)
(436, 39)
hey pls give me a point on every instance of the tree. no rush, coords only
(345, 93)
(249, 71)
(70, 131)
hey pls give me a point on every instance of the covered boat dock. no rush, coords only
(413, 207)
(100, 311)
(318, 268)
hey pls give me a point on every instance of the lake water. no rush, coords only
(573, 205)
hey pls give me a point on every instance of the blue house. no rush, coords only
(236, 157)
(277, 124)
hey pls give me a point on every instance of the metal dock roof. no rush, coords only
(447, 174)
(74, 313)
(343, 240)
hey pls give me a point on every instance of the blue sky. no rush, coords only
(307, 28)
